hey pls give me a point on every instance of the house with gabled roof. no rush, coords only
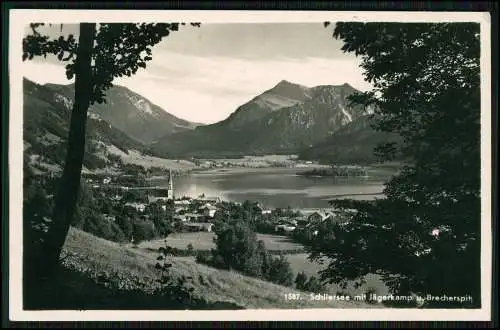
(199, 226)
(209, 210)
(319, 216)
(209, 199)
(138, 206)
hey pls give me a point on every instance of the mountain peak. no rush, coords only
(289, 90)
(285, 118)
(348, 86)
(286, 83)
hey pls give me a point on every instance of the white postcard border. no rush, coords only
(19, 18)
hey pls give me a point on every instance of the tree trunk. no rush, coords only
(68, 190)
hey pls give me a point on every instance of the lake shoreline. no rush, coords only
(360, 194)
(276, 187)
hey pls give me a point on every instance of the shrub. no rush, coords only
(36, 209)
(114, 158)
(280, 271)
(265, 227)
(313, 285)
(218, 262)
(300, 280)
(143, 230)
(265, 257)
(125, 225)
(92, 161)
(237, 248)
(97, 225)
(170, 287)
(369, 292)
(203, 258)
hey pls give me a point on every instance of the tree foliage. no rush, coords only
(280, 271)
(36, 210)
(314, 285)
(179, 288)
(102, 53)
(300, 280)
(424, 236)
(238, 248)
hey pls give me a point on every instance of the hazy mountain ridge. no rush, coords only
(129, 112)
(352, 143)
(320, 125)
(46, 124)
(258, 127)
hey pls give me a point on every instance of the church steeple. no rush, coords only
(170, 191)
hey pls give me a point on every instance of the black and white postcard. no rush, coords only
(249, 165)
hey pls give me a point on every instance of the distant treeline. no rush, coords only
(188, 252)
(335, 171)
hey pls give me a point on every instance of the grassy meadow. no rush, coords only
(299, 261)
(89, 255)
(204, 241)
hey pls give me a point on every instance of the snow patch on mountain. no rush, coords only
(275, 102)
(65, 101)
(346, 114)
(140, 104)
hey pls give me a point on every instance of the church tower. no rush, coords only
(170, 191)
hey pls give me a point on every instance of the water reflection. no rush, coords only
(273, 187)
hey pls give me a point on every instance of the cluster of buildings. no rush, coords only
(287, 225)
(194, 213)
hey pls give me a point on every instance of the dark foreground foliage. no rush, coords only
(425, 236)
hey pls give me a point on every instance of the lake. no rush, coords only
(276, 187)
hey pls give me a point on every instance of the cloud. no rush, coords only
(44, 72)
(208, 89)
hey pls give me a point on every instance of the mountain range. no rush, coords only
(122, 123)
(128, 112)
(284, 119)
(352, 143)
(315, 122)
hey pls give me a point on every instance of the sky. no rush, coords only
(203, 74)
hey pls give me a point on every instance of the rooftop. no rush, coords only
(199, 224)
(209, 207)
(209, 198)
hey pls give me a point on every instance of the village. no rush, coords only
(191, 214)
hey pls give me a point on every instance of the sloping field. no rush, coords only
(135, 157)
(89, 254)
